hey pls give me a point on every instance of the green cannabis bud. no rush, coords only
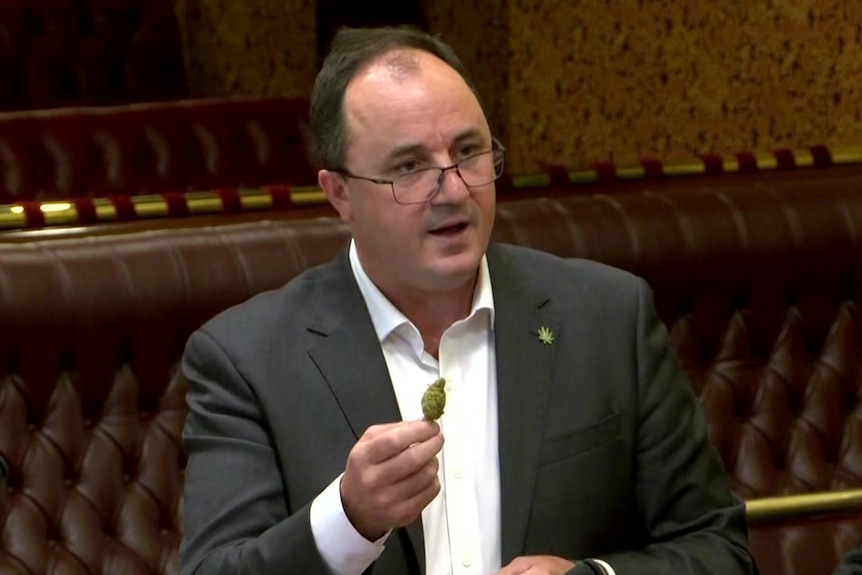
(434, 400)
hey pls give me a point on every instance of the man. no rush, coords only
(573, 443)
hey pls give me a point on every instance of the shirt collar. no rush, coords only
(386, 318)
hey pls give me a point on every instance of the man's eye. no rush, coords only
(408, 167)
(469, 150)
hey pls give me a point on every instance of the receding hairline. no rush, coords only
(397, 51)
(399, 63)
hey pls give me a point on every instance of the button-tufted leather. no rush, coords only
(97, 52)
(91, 409)
(153, 148)
(760, 287)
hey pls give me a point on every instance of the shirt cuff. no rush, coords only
(608, 569)
(343, 549)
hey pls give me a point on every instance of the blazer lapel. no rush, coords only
(524, 370)
(351, 361)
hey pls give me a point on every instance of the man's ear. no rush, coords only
(332, 184)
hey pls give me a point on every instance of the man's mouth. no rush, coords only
(450, 230)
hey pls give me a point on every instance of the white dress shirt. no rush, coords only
(462, 524)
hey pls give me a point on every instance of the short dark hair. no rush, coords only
(353, 49)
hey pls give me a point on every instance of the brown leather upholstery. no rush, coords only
(153, 148)
(805, 547)
(90, 408)
(760, 288)
(96, 52)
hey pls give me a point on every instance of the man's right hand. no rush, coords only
(391, 476)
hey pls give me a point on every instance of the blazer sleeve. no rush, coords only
(852, 562)
(236, 517)
(694, 523)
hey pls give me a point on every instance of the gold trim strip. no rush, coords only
(846, 155)
(577, 178)
(65, 217)
(766, 161)
(253, 199)
(632, 173)
(730, 165)
(802, 505)
(150, 206)
(803, 159)
(685, 170)
(11, 218)
(535, 180)
(105, 210)
(308, 196)
(204, 203)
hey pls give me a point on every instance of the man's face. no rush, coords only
(399, 120)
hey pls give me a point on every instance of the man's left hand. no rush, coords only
(537, 565)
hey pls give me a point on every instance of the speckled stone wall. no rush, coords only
(265, 47)
(616, 80)
(575, 82)
(478, 32)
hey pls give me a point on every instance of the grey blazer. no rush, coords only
(603, 445)
(851, 564)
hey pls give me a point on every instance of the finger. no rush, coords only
(413, 484)
(518, 566)
(380, 429)
(394, 441)
(407, 511)
(518, 570)
(408, 461)
(400, 503)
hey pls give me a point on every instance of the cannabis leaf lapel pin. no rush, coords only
(546, 336)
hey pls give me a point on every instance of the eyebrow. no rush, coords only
(411, 149)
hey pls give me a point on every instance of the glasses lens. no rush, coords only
(482, 169)
(421, 185)
(416, 187)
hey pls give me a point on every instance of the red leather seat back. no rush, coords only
(41, 156)
(154, 148)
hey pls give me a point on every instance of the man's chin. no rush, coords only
(452, 272)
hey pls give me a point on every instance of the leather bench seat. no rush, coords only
(153, 148)
(760, 288)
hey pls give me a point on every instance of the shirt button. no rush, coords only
(458, 474)
(448, 387)
(466, 562)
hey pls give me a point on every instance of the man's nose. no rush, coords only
(451, 186)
